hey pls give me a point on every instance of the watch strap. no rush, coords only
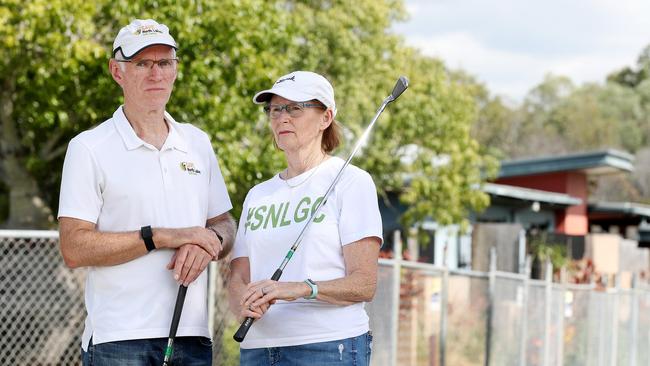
(147, 235)
(314, 289)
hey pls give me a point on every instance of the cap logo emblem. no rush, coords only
(146, 30)
(293, 78)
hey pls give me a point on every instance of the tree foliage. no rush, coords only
(54, 56)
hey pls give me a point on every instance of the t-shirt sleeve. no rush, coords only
(240, 249)
(359, 209)
(219, 201)
(81, 184)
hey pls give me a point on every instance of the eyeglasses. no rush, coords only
(294, 110)
(165, 64)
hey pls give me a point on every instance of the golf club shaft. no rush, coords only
(178, 309)
(400, 87)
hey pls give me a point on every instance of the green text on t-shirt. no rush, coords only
(278, 214)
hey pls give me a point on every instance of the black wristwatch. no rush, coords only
(147, 235)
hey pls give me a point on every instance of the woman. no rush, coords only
(317, 314)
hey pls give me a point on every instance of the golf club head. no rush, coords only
(400, 86)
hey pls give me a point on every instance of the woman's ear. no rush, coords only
(327, 119)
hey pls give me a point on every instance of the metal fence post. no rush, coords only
(397, 249)
(523, 339)
(212, 294)
(443, 316)
(560, 326)
(601, 331)
(634, 321)
(548, 297)
(490, 308)
(590, 326)
(614, 353)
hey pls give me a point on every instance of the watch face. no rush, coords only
(146, 232)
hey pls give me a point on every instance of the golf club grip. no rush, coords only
(243, 329)
(178, 309)
(246, 324)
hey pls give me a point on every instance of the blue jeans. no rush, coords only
(353, 351)
(195, 351)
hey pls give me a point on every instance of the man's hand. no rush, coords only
(188, 263)
(177, 238)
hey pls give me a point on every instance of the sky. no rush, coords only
(510, 45)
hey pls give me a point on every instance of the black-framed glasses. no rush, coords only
(294, 110)
(165, 64)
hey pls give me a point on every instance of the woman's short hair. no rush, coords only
(331, 137)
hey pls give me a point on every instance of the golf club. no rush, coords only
(400, 87)
(178, 309)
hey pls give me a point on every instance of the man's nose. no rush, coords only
(156, 70)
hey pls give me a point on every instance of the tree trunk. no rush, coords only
(27, 209)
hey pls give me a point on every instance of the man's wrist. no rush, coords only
(217, 234)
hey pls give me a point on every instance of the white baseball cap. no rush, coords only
(300, 86)
(141, 34)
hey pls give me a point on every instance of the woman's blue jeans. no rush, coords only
(353, 351)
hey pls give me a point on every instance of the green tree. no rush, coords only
(49, 66)
(54, 56)
(632, 77)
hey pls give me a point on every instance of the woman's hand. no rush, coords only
(253, 311)
(264, 293)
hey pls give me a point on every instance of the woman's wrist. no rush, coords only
(305, 289)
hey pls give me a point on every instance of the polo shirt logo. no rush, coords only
(189, 168)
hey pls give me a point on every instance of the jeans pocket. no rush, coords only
(205, 342)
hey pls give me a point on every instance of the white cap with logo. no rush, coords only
(141, 34)
(300, 86)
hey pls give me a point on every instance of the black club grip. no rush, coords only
(246, 324)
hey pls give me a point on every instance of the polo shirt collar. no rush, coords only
(175, 138)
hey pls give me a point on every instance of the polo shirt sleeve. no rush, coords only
(359, 215)
(218, 199)
(81, 184)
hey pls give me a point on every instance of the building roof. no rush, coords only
(621, 208)
(532, 195)
(592, 163)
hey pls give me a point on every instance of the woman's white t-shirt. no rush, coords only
(273, 215)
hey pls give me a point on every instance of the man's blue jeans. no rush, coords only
(188, 351)
(353, 351)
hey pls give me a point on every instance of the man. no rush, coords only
(141, 195)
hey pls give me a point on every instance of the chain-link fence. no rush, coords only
(42, 309)
(421, 315)
(462, 318)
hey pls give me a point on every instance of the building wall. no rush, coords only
(573, 221)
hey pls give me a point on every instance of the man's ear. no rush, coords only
(116, 71)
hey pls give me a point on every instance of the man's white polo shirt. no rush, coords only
(121, 183)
